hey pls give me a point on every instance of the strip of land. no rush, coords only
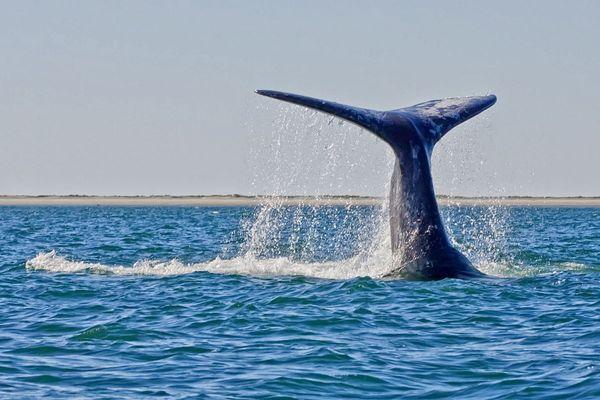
(239, 200)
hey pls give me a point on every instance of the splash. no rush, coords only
(483, 238)
(305, 152)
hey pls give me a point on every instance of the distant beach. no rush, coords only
(242, 200)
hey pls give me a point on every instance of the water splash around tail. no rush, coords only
(305, 152)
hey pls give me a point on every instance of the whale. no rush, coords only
(421, 248)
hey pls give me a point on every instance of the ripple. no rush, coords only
(175, 315)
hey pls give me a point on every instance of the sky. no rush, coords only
(156, 97)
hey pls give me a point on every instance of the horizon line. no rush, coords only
(329, 195)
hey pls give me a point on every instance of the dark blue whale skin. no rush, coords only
(421, 248)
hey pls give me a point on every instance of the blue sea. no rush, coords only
(288, 302)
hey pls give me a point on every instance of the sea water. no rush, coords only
(288, 302)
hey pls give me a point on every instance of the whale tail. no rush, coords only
(433, 118)
(418, 235)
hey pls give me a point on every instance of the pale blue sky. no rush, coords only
(157, 97)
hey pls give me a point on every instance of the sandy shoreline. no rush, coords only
(236, 200)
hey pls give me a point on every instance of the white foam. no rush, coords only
(246, 265)
(572, 266)
(250, 266)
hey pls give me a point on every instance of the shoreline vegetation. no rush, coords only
(243, 200)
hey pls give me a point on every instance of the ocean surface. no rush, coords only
(192, 302)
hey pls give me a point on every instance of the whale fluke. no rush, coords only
(420, 244)
(435, 117)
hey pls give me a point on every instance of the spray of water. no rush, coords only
(480, 232)
(308, 153)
